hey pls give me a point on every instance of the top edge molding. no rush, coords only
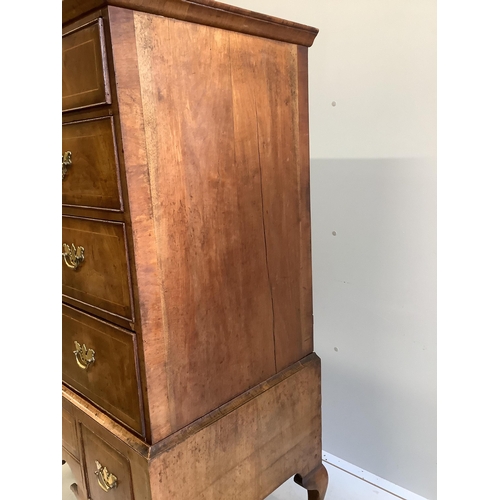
(207, 12)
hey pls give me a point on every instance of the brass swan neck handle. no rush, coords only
(84, 357)
(73, 256)
(106, 480)
(66, 163)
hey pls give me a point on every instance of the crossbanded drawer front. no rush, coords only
(69, 439)
(95, 267)
(90, 175)
(100, 361)
(108, 471)
(85, 79)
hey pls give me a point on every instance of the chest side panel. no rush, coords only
(221, 166)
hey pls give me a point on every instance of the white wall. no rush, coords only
(373, 181)
(375, 302)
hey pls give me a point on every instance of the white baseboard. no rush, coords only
(383, 484)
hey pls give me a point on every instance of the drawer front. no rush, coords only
(100, 455)
(95, 270)
(100, 361)
(85, 79)
(92, 178)
(69, 439)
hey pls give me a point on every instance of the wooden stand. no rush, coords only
(244, 450)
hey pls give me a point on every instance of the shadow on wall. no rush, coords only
(374, 286)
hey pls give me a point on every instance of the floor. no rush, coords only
(342, 486)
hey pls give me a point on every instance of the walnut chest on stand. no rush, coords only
(187, 354)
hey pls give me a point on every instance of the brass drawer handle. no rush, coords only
(73, 256)
(66, 162)
(106, 480)
(84, 357)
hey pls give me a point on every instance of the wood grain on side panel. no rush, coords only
(265, 93)
(252, 449)
(207, 211)
(216, 180)
(306, 302)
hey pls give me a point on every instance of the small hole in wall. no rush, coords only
(336, 349)
(334, 233)
(334, 103)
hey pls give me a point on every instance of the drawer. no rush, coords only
(109, 463)
(92, 178)
(69, 439)
(104, 367)
(85, 79)
(95, 267)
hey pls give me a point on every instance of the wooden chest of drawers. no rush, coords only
(188, 363)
